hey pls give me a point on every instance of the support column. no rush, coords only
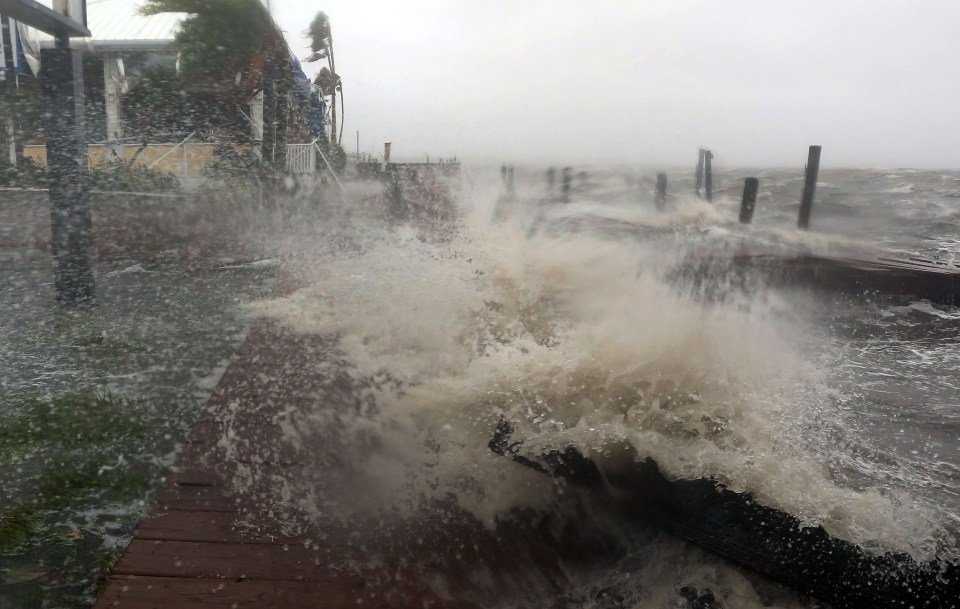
(256, 129)
(269, 139)
(8, 84)
(283, 107)
(11, 139)
(112, 92)
(72, 227)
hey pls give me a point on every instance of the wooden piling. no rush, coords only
(747, 205)
(660, 200)
(699, 173)
(809, 187)
(708, 175)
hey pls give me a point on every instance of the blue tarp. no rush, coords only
(22, 67)
(298, 70)
(306, 96)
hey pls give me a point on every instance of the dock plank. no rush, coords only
(229, 561)
(196, 498)
(215, 537)
(213, 527)
(142, 592)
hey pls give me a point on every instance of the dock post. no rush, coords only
(660, 200)
(567, 178)
(699, 174)
(749, 202)
(708, 175)
(809, 187)
(71, 223)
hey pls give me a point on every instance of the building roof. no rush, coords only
(117, 25)
(120, 21)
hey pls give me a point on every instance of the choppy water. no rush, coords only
(575, 321)
(570, 319)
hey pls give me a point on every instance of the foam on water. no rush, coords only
(580, 341)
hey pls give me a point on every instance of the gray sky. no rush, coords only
(876, 83)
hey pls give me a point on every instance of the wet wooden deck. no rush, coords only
(208, 544)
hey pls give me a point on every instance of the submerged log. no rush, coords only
(736, 527)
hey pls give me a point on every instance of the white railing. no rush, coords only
(301, 158)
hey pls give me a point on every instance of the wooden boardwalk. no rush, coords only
(206, 544)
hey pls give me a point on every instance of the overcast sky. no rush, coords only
(876, 83)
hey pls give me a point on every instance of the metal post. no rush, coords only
(809, 187)
(72, 226)
(699, 173)
(749, 202)
(660, 200)
(708, 175)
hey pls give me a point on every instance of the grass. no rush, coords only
(81, 330)
(68, 423)
(62, 456)
(67, 451)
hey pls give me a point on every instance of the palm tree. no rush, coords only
(327, 80)
(230, 48)
(220, 39)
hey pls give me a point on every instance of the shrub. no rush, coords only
(116, 175)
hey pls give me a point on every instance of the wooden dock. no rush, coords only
(207, 544)
(855, 274)
(936, 281)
